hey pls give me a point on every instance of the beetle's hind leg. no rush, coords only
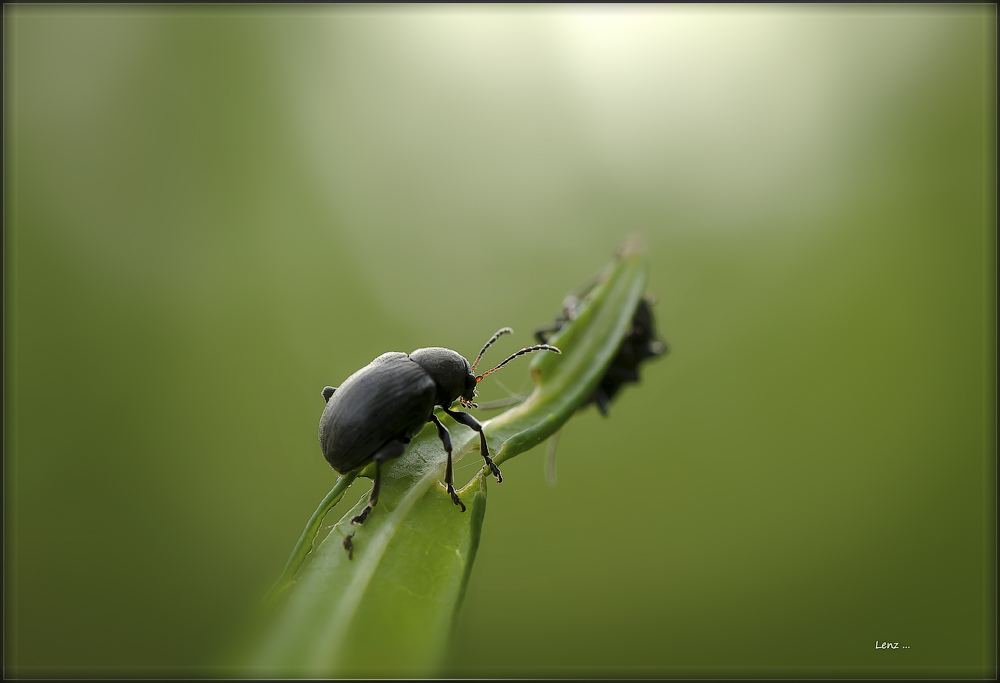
(473, 423)
(449, 475)
(372, 497)
(391, 450)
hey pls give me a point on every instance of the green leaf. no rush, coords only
(390, 610)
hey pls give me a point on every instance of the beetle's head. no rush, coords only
(449, 370)
(469, 392)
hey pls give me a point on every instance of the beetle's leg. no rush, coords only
(391, 450)
(473, 423)
(328, 392)
(449, 475)
(372, 497)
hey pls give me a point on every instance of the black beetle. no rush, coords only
(376, 411)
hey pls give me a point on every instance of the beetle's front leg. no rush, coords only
(473, 423)
(449, 475)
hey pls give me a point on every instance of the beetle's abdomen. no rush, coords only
(390, 398)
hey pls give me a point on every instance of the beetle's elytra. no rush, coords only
(376, 411)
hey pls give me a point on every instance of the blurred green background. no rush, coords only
(212, 212)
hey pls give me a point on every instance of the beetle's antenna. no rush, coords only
(539, 347)
(502, 331)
